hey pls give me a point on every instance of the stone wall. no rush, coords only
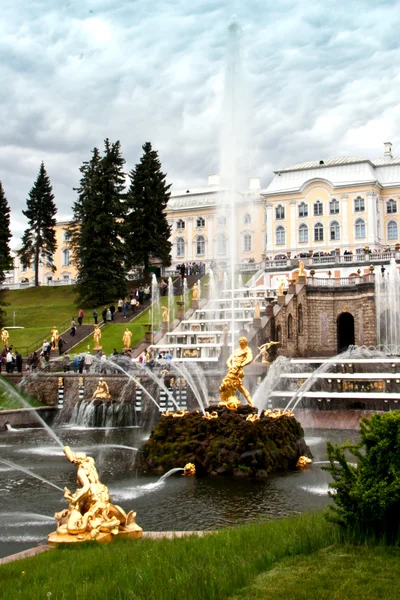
(307, 323)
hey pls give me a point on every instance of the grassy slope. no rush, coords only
(290, 559)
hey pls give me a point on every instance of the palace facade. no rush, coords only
(333, 207)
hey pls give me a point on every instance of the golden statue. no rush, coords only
(252, 417)
(54, 337)
(303, 462)
(264, 352)
(233, 379)
(189, 469)
(5, 336)
(101, 392)
(96, 337)
(301, 272)
(126, 339)
(210, 415)
(257, 311)
(195, 295)
(90, 514)
(165, 314)
(280, 288)
(180, 413)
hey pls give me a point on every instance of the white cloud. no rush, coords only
(323, 81)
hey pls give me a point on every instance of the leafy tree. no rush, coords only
(39, 240)
(146, 227)
(5, 255)
(96, 228)
(367, 494)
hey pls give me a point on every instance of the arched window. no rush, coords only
(290, 327)
(247, 242)
(221, 221)
(303, 234)
(200, 222)
(247, 219)
(279, 212)
(200, 246)
(359, 204)
(318, 208)
(360, 229)
(392, 231)
(334, 207)
(300, 319)
(391, 207)
(334, 231)
(180, 247)
(66, 257)
(303, 209)
(66, 235)
(280, 236)
(318, 232)
(279, 334)
(221, 244)
(180, 224)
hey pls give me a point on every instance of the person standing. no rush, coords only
(60, 345)
(133, 303)
(108, 315)
(120, 305)
(73, 327)
(9, 361)
(81, 314)
(88, 361)
(18, 361)
(126, 309)
(95, 315)
(104, 314)
(112, 311)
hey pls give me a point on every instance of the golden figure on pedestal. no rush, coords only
(232, 381)
(96, 337)
(302, 272)
(264, 352)
(90, 514)
(101, 392)
(5, 336)
(195, 292)
(165, 314)
(126, 339)
(54, 337)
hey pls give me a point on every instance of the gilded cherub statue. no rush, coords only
(233, 380)
(90, 514)
(101, 392)
(126, 339)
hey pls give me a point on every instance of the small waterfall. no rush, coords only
(104, 414)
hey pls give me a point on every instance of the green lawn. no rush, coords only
(299, 558)
(9, 401)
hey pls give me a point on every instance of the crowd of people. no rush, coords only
(11, 360)
(193, 268)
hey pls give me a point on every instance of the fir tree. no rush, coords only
(5, 255)
(39, 240)
(146, 227)
(96, 228)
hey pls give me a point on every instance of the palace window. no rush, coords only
(247, 219)
(334, 207)
(303, 209)
(180, 247)
(318, 208)
(290, 327)
(278, 334)
(360, 229)
(221, 244)
(303, 234)
(280, 236)
(66, 255)
(279, 212)
(300, 319)
(391, 207)
(200, 246)
(318, 232)
(180, 224)
(359, 204)
(221, 221)
(392, 230)
(247, 242)
(334, 231)
(66, 235)
(200, 222)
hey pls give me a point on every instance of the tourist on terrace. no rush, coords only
(120, 305)
(73, 327)
(81, 314)
(95, 315)
(88, 361)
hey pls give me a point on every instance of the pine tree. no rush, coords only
(5, 255)
(96, 228)
(146, 227)
(39, 240)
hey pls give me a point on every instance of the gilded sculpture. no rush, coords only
(54, 337)
(90, 514)
(257, 313)
(233, 380)
(302, 272)
(264, 352)
(126, 339)
(5, 336)
(96, 337)
(165, 314)
(281, 286)
(195, 292)
(101, 392)
(189, 469)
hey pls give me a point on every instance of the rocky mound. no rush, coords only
(226, 445)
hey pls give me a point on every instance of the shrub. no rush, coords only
(367, 494)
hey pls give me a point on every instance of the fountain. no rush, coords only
(387, 285)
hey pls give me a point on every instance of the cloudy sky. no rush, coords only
(324, 80)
